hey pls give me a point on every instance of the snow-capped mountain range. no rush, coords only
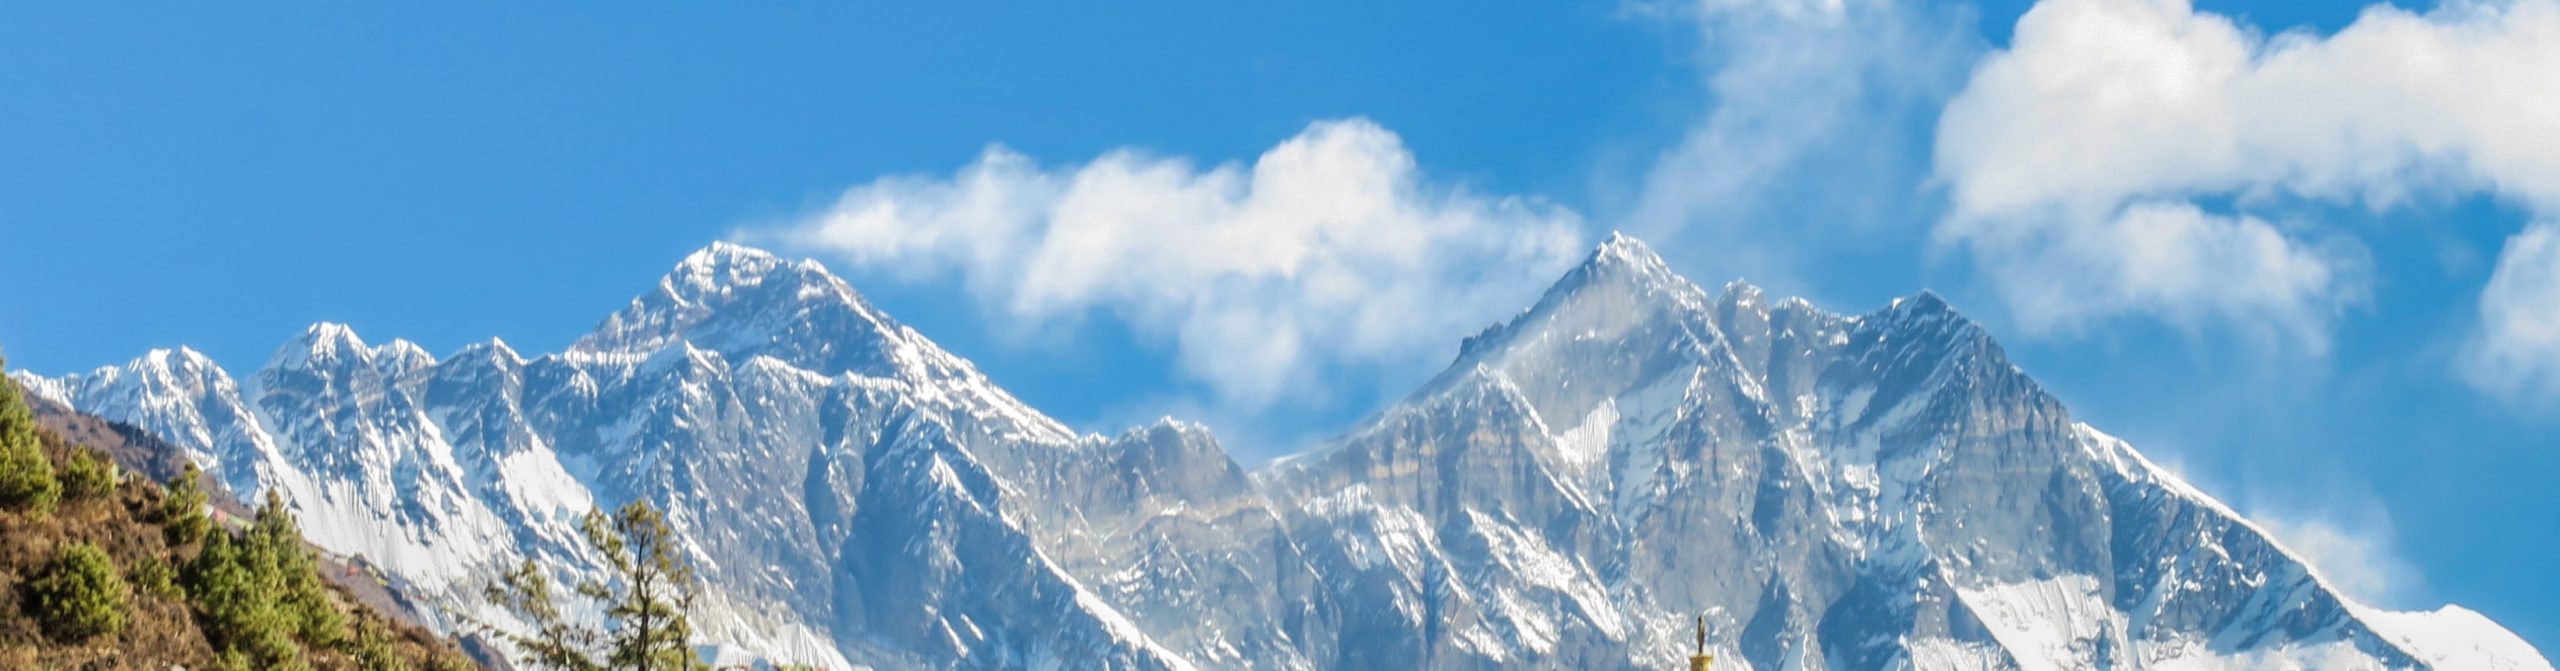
(1876, 491)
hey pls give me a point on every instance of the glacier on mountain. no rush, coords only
(1867, 491)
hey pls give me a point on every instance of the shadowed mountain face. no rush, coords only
(1856, 492)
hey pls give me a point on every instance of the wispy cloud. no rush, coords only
(1813, 135)
(2079, 161)
(1326, 262)
(2360, 559)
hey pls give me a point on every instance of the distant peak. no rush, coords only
(1623, 251)
(1621, 272)
(1618, 261)
(1927, 312)
(400, 357)
(1741, 292)
(1923, 302)
(401, 347)
(725, 251)
(321, 342)
(722, 264)
(329, 337)
(744, 302)
(181, 358)
(492, 351)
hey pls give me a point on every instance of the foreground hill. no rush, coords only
(1834, 491)
(99, 574)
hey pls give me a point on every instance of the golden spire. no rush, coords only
(1699, 661)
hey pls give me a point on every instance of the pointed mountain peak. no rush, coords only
(1621, 252)
(1926, 320)
(712, 274)
(322, 342)
(493, 350)
(1621, 283)
(1740, 292)
(1619, 261)
(742, 302)
(724, 264)
(401, 357)
(181, 359)
(1926, 304)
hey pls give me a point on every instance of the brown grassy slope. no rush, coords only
(161, 632)
(132, 447)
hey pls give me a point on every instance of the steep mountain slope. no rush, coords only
(1874, 491)
(849, 488)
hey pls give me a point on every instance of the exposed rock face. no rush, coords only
(1857, 492)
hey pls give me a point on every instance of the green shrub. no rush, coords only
(375, 652)
(79, 596)
(155, 576)
(232, 660)
(87, 475)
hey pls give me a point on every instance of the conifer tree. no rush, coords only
(27, 480)
(275, 549)
(644, 601)
(87, 475)
(236, 606)
(79, 596)
(181, 515)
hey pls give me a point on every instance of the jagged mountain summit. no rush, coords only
(1874, 491)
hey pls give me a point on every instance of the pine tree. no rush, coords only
(644, 601)
(181, 515)
(658, 589)
(26, 476)
(236, 605)
(87, 475)
(275, 549)
(79, 596)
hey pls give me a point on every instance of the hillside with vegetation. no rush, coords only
(101, 567)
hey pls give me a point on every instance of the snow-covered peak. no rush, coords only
(1925, 302)
(158, 369)
(1624, 250)
(400, 358)
(47, 388)
(744, 302)
(1740, 292)
(323, 344)
(160, 366)
(331, 346)
(722, 264)
(1621, 283)
(1625, 259)
(493, 352)
(1926, 315)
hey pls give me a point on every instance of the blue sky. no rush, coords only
(2318, 339)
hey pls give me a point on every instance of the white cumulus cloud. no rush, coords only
(2076, 159)
(1331, 252)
